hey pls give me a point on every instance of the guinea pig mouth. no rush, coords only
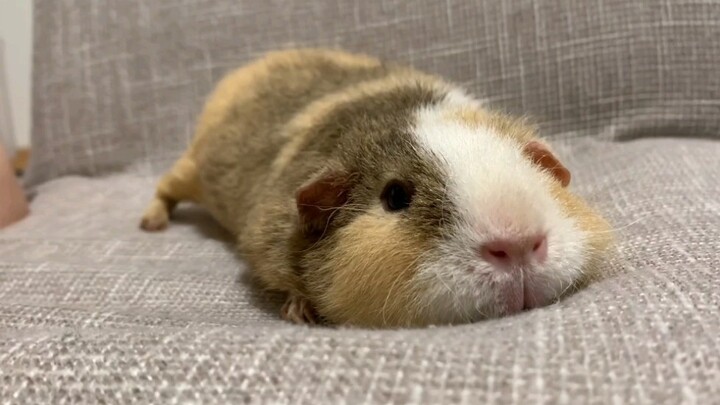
(511, 297)
(519, 294)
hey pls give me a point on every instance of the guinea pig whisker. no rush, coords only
(479, 310)
(327, 225)
(443, 200)
(400, 275)
(334, 210)
(467, 316)
(612, 230)
(326, 208)
(452, 292)
(571, 285)
(418, 300)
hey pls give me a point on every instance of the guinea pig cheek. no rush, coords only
(590, 235)
(368, 274)
(570, 251)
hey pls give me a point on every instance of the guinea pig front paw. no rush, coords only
(156, 217)
(298, 310)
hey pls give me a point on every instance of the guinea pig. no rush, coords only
(376, 195)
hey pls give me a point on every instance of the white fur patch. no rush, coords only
(458, 97)
(499, 194)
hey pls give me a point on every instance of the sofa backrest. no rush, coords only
(118, 84)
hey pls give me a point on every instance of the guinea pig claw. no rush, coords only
(298, 310)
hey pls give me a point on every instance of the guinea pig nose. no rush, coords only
(507, 252)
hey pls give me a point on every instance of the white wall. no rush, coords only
(16, 33)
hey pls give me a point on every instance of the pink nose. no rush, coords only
(510, 252)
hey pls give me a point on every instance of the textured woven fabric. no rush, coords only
(119, 83)
(94, 310)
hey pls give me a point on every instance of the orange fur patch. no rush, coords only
(370, 273)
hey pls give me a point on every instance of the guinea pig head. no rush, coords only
(451, 215)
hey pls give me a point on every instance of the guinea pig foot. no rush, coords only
(156, 218)
(298, 310)
(153, 224)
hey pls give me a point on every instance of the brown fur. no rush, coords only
(249, 134)
(276, 124)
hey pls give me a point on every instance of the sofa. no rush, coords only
(92, 310)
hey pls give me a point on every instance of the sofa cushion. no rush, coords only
(118, 84)
(94, 310)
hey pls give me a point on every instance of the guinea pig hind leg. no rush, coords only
(179, 184)
(298, 310)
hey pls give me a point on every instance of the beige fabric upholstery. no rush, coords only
(93, 309)
(119, 84)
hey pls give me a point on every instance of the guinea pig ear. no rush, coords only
(541, 155)
(318, 199)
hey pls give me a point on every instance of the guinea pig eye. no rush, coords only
(397, 195)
